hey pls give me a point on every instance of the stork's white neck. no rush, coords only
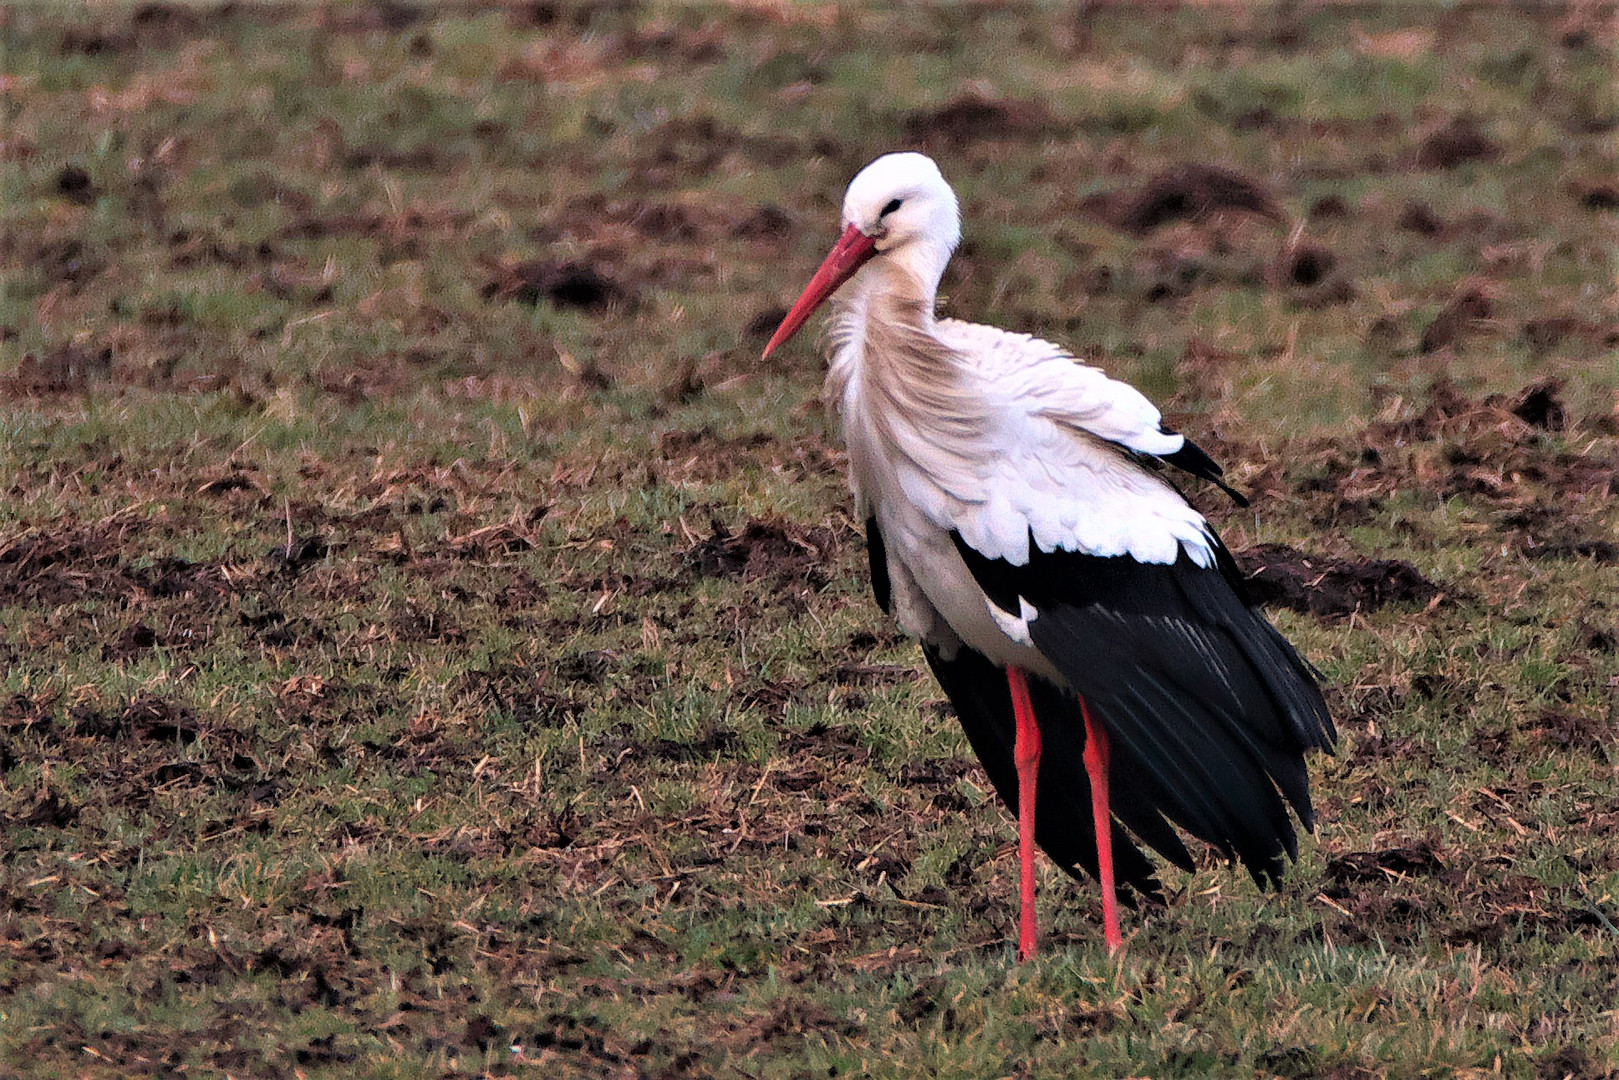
(908, 274)
(906, 404)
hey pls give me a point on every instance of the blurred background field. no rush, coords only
(434, 644)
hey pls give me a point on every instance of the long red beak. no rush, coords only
(847, 255)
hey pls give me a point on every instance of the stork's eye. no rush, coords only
(893, 204)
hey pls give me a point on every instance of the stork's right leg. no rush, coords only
(1096, 760)
(1026, 755)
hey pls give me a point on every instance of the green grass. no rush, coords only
(491, 778)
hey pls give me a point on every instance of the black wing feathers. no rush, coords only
(1192, 458)
(1210, 707)
(998, 578)
(877, 557)
(1063, 826)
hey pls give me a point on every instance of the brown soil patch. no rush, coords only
(1190, 192)
(775, 550)
(565, 284)
(1458, 142)
(1464, 312)
(65, 369)
(1281, 576)
(975, 118)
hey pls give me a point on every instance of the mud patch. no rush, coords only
(975, 118)
(564, 284)
(776, 550)
(66, 369)
(1191, 192)
(1470, 307)
(1282, 576)
(1458, 142)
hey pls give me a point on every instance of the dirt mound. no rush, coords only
(1540, 406)
(973, 118)
(66, 369)
(769, 222)
(75, 185)
(1469, 307)
(1281, 576)
(1596, 194)
(565, 284)
(1451, 414)
(776, 550)
(1190, 192)
(1359, 867)
(147, 718)
(49, 569)
(1458, 142)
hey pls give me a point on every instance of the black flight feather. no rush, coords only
(1064, 829)
(1210, 708)
(1192, 458)
(877, 557)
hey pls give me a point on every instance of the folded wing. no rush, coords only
(1209, 707)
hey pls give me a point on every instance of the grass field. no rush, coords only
(435, 645)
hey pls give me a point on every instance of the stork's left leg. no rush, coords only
(1026, 756)
(1096, 760)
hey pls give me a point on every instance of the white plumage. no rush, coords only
(1029, 446)
(1014, 523)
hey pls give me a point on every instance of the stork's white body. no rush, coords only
(1016, 529)
(1027, 447)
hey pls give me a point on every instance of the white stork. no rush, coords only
(1017, 521)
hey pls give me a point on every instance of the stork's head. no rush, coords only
(898, 207)
(902, 199)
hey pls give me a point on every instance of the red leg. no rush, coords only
(1096, 757)
(1026, 755)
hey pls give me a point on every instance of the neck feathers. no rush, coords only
(904, 394)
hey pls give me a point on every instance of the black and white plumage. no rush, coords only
(1018, 528)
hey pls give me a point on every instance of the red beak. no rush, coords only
(849, 254)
